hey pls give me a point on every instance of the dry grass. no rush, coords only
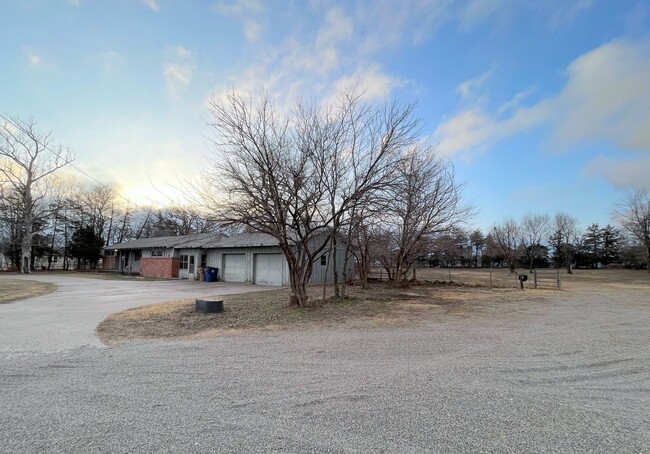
(380, 305)
(14, 289)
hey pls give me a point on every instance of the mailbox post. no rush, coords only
(522, 278)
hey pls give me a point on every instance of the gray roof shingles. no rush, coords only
(198, 241)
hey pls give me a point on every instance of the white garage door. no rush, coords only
(234, 268)
(267, 269)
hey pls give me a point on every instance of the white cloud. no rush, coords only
(471, 87)
(606, 96)
(565, 13)
(252, 30)
(476, 11)
(177, 78)
(239, 7)
(182, 52)
(178, 72)
(34, 60)
(370, 81)
(152, 5)
(622, 173)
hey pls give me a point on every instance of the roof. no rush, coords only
(165, 241)
(198, 241)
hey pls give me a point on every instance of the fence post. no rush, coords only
(535, 277)
(449, 269)
(558, 279)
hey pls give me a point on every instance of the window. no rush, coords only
(204, 260)
(137, 256)
(183, 262)
(157, 253)
(323, 260)
(191, 268)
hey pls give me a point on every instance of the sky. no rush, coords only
(541, 105)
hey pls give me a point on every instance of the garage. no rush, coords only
(267, 269)
(234, 268)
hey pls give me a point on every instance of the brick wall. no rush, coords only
(109, 263)
(163, 267)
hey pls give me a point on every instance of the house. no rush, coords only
(248, 257)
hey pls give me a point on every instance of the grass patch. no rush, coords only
(269, 310)
(18, 289)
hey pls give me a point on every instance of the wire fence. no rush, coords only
(484, 277)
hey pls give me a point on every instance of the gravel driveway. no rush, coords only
(68, 317)
(569, 374)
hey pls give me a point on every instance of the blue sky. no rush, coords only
(542, 106)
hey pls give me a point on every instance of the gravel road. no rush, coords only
(567, 374)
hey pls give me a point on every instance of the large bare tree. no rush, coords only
(535, 229)
(28, 159)
(424, 200)
(506, 239)
(296, 176)
(565, 237)
(634, 215)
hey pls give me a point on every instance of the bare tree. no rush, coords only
(424, 200)
(276, 176)
(505, 240)
(535, 229)
(634, 215)
(566, 237)
(28, 158)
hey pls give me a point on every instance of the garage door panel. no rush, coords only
(268, 269)
(234, 268)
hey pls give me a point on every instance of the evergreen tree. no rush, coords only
(86, 246)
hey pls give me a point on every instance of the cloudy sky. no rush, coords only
(542, 105)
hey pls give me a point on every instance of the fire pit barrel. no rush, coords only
(208, 306)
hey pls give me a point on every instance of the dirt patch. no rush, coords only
(17, 289)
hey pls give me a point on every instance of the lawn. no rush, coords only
(18, 289)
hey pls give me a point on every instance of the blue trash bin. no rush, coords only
(211, 274)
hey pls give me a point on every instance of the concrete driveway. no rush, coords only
(67, 318)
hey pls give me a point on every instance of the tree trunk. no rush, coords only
(335, 273)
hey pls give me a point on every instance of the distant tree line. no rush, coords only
(536, 241)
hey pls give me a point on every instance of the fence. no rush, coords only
(484, 277)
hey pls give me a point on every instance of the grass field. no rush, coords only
(546, 278)
(15, 289)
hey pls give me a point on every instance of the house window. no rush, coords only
(55, 258)
(191, 267)
(183, 262)
(138, 255)
(323, 260)
(204, 260)
(157, 253)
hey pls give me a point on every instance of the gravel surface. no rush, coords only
(66, 319)
(571, 374)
